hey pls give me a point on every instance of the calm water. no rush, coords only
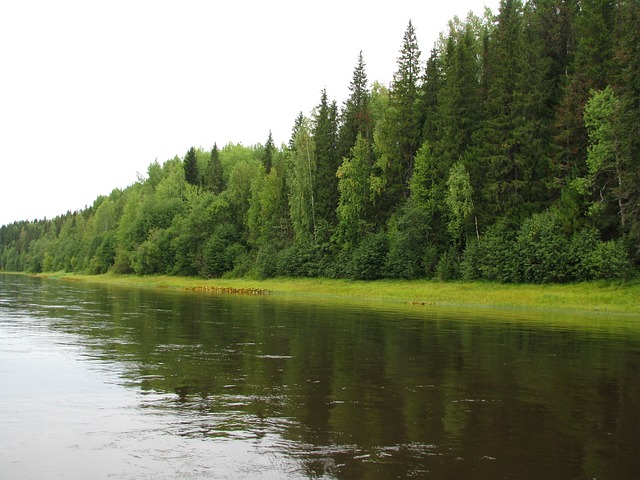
(107, 382)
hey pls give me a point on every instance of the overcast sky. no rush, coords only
(92, 92)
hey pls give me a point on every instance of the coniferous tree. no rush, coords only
(398, 134)
(510, 140)
(191, 167)
(545, 82)
(267, 158)
(433, 78)
(214, 177)
(355, 116)
(459, 100)
(627, 85)
(297, 126)
(590, 51)
(327, 160)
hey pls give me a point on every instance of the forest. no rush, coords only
(510, 152)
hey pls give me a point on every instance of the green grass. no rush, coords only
(605, 297)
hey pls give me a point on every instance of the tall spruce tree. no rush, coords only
(398, 134)
(510, 142)
(459, 100)
(214, 179)
(191, 167)
(267, 157)
(591, 54)
(627, 85)
(433, 78)
(356, 116)
(297, 126)
(327, 159)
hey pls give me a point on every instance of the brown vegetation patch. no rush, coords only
(230, 290)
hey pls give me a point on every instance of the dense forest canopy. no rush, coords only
(509, 152)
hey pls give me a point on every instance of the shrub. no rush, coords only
(544, 250)
(407, 240)
(368, 259)
(448, 266)
(497, 259)
(221, 251)
(608, 260)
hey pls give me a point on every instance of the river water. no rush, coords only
(111, 382)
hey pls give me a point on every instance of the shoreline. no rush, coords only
(589, 297)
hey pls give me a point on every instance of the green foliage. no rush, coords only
(267, 217)
(214, 178)
(398, 132)
(325, 135)
(448, 267)
(191, 167)
(355, 195)
(222, 251)
(408, 237)
(543, 249)
(513, 156)
(105, 254)
(155, 254)
(459, 199)
(356, 117)
(299, 260)
(267, 158)
(368, 259)
(301, 171)
(497, 255)
(608, 260)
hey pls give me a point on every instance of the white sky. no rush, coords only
(92, 92)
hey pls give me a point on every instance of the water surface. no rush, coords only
(100, 381)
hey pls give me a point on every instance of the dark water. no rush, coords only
(107, 382)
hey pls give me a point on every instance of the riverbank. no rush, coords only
(605, 297)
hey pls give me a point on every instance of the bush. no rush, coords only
(368, 259)
(221, 251)
(265, 263)
(154, 255)
(407, 239)
(470, 262)
(544, 250)
(448, 266)
(105, 255)
(608, 260)
(497, 259)
(299, 260)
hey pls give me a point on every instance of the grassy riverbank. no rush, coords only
(614, 297)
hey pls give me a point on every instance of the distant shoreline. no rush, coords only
(612, 297)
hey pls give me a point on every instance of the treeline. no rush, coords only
(512, 154)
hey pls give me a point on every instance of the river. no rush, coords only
(111, 382)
